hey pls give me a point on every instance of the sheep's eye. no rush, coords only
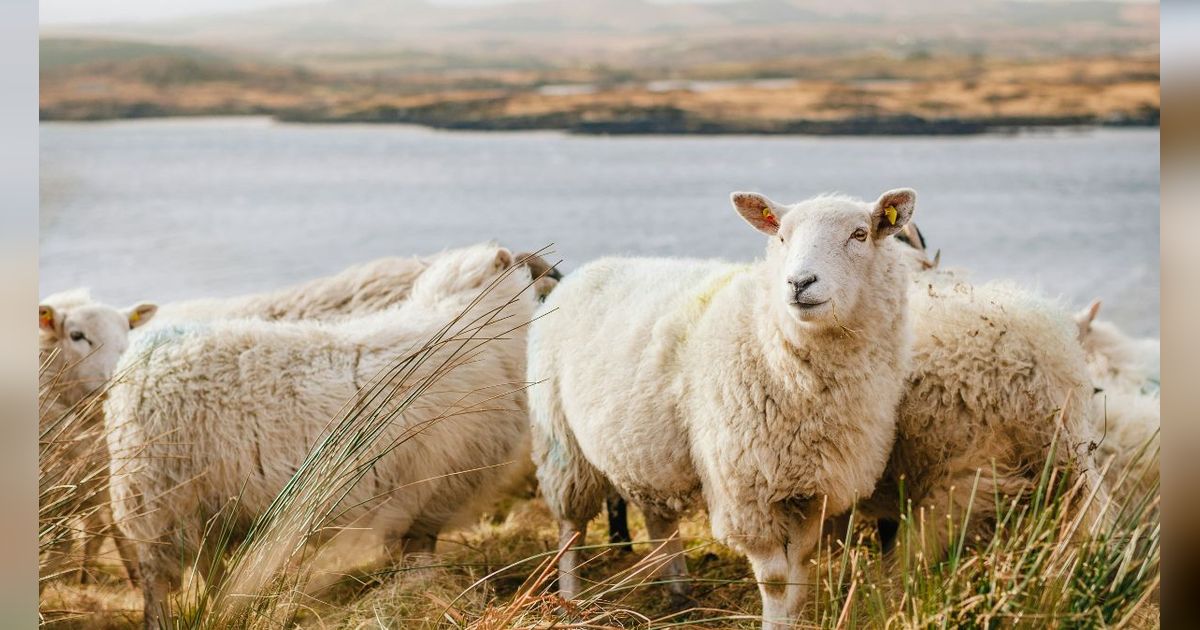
(77, 336)
(859, 235)
(780, 239)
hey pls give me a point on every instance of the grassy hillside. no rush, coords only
(55, 53)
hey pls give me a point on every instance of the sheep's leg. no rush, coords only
(888, 529)
(570, 537)
(618, 522)
(158, 567)
(128, 554)
(211, 565)
(770, 566)
(782, 573)
(93, 538)
(802, 542)
(674, 568)
(155, 600)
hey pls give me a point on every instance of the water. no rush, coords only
(172, 209)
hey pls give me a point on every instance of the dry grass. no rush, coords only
(499, 574)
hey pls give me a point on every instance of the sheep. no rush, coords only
(996, 371)
(765, 393)
(79, 343)
(241, 402)
(1125, 372)
(359, 290)
(365, 288)
(1116, 360)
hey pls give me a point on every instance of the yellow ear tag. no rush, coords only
(890, 211)
(134, 317)
(46, 319)
(769, 218)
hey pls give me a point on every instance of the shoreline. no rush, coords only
(931, 97)
(669, 123)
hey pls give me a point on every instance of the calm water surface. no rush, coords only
(172, 209)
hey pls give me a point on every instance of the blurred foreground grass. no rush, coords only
(499, 574)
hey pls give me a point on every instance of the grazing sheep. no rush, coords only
(207, 411)
(358, 290)
(1125, 372)
(1116, 360)
(765, 392)
(79, 343)
(996, 370)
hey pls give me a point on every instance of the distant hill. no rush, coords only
(638, 31)
(58, 53)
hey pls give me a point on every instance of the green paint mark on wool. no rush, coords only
(705, 297)
(702, 299)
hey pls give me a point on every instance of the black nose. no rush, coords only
(802, 283)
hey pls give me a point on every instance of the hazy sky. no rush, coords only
(95, 11)
(92, 11)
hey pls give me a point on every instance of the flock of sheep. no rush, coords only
(843, 370)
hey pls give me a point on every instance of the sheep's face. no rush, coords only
(822, 251)
(90, 339)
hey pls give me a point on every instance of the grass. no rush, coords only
(499, 574)
(1041, 567)
(72, 473)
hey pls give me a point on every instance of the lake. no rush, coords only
(171, 209)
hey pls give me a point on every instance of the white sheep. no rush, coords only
(358, 290)
(996, 371)
(1115, 359)
(765, 393)
(211, 410)
(79, 344)
(1125, 371)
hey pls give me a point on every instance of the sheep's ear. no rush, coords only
(504, 259)
(140, 314)
(892, 211)
(759, 211)
(1084, 318)
(538, 267)
(911, 235)
(47, 319)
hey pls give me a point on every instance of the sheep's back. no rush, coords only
(234, 407)
(365, 288)
(993, 367)
(224, 409)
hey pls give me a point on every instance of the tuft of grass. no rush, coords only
(72, 483)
